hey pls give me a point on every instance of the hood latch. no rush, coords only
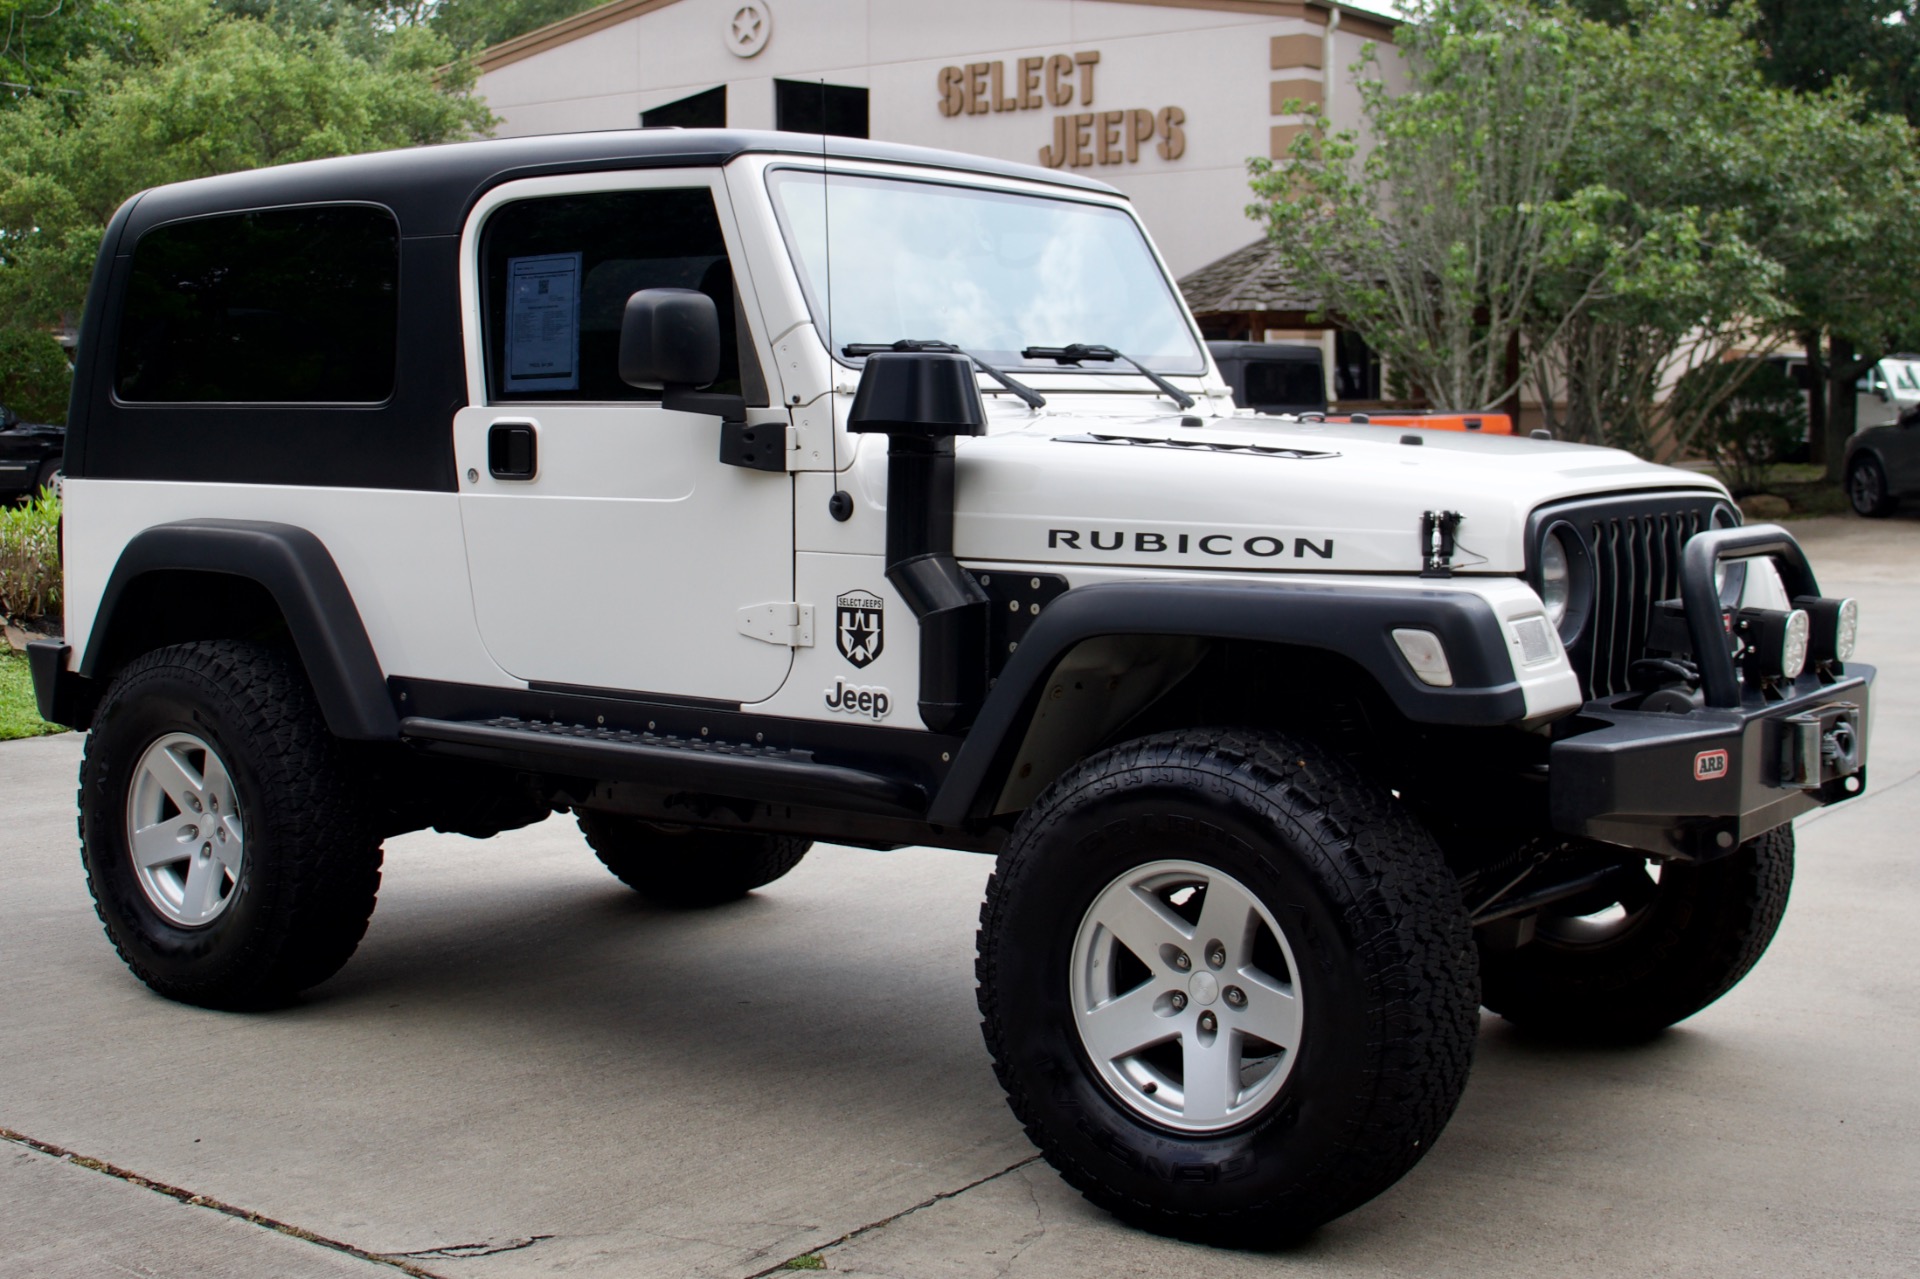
(1436, 542)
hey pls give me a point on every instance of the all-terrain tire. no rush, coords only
(299, 902)
(1382, 963)
(687, 867)
(1703, 928)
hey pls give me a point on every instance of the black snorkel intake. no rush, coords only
(920, 400)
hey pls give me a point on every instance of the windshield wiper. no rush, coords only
(1033, 398)
(1079, 351)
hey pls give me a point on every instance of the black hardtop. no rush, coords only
(431, 188)
(1297, 352)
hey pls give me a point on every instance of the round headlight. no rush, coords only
(1793, 645)
(1556, 578)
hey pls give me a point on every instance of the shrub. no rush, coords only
(35, 377)
(30, 558)
(1761, 423)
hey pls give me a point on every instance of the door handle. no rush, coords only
(513, 451)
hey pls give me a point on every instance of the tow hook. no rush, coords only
(1820, 745)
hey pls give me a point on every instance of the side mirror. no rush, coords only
(670, 338)
(8, 417)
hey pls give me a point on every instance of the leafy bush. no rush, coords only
(1761, 423)
(30, 558)
(34, 375)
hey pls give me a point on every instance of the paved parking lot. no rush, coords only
(527, 1071)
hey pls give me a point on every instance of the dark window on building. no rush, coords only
(279, 306)
(1356, 368)
(706, 110)
(559, 272)
(1293, 384)
(807, 106)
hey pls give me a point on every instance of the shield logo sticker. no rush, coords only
(857, 626)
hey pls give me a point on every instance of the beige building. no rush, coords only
(1165, 99)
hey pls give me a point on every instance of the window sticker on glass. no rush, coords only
(543, 323)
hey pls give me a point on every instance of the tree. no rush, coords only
(1692, 211)
(197, 92)
(1431, 243)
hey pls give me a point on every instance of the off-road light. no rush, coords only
(1556, 577)
(1776, 642)
(1425, 654)
(1836, 625)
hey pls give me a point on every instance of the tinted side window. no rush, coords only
(1285, 383)
(558, 274)
(278, 306)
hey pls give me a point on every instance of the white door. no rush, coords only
(608, 546)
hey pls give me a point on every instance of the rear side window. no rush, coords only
(275, 306)
(559, 271)
(1284, 383)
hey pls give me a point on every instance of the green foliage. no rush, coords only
(1431, 243)
(812, 1261)
(34, 375)
(1622, 201)
(30, 558)
(471, 25)
(195, 92)
(1746, 433)
(19, 714)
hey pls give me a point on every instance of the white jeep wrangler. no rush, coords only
(729, 493)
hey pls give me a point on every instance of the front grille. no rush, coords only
(1633, 549)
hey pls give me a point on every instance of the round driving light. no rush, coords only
(1836, 627)
(1556, 578)
(1793, 645)
(1846, 629)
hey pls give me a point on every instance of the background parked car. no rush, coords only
(1883, 465)
(30, 456)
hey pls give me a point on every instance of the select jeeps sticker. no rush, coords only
(1709, 766)
(849, 699)
(857, 627)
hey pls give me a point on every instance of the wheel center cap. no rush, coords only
(1204, 988)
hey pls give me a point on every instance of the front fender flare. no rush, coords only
(1355, 622)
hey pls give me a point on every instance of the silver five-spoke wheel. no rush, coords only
(1185, 997)
(184, 830)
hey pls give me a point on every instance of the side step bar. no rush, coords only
(736, 769)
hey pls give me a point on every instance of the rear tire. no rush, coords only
(1625, 975)
(1227, 983)
(687, 867)
(227, 849)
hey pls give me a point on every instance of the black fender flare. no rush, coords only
(295, 568)
(1355, 622)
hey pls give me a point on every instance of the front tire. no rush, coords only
(1625, 970)
(688, 867)
(228, 853)
(1867, 488)
(1227, 983)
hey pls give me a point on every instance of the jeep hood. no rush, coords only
(1247, 493)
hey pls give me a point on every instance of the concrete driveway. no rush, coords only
(527, 1071)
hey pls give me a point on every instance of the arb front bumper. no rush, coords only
(1750, 754)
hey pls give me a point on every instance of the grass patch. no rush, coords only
(812, 1261)
(1806, 489)
(19, 715)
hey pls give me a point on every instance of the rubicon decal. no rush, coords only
(1709, 765)
(1259, 546)
(858, 626)
(850, 699)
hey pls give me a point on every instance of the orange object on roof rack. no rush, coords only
(1484, 423)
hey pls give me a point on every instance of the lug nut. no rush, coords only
(206, 850)
(1181, 961)
(1236, 996)
(1177, 1001)
(1217, 957)
(194, 804)
(1207, 1023)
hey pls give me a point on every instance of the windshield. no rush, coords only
(988, 271)
(1903, 373)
